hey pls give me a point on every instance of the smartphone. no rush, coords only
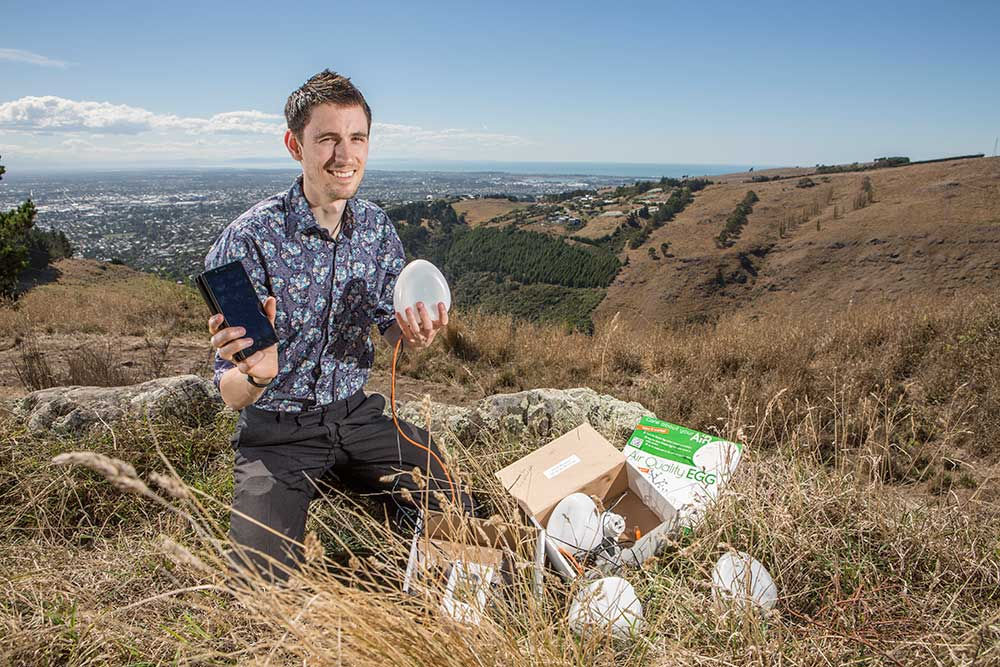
(227, 290)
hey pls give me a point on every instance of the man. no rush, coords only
(324, 264)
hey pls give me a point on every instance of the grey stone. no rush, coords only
(535, 414)
(75, 409)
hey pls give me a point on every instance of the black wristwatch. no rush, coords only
(256, 384)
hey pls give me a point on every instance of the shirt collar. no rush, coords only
(300, 217)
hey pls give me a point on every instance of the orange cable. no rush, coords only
(392, 398)
(568, 556)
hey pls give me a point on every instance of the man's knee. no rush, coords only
(268, 517)
(442, 482)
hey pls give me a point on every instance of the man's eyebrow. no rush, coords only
(331, 133)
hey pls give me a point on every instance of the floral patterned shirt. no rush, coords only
(329, 292)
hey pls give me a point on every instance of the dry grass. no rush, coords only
(33, 368)
(100, 325)
(117, 301)
(95, 365)
(478, 211)
(936, 364)
(868, 573)
(870, 491)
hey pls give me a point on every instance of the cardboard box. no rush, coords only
(688, 468)
(463, 561)
(582, 460)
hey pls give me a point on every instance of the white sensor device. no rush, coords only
(420, 281)
(576, 523)
(741, 578)
(606, 604)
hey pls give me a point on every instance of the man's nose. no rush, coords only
(354, 153)
(345, 154)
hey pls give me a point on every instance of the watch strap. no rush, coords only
(257, 384)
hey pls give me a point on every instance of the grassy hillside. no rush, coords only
(812, 242)
(484, 209)
(820, 244)
(533, 275)
(870, 492)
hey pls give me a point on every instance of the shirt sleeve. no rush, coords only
(390, 262)
(229, 247)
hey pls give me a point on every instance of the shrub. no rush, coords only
(32, 368)
(866, 195)
(736, 220)
(15, 226)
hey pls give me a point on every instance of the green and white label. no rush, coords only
(686, 466)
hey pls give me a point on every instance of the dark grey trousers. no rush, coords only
(281, 456)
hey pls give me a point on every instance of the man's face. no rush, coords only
(333, 150)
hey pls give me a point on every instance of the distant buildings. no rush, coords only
(167, 223)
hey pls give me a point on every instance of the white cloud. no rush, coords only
(11, 149)
(64, 130)
(411, 138)
(54, 114)
(20, 56)
(242, 122)
(58, 114)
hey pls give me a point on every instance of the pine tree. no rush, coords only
(14, 226)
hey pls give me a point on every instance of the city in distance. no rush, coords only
(164, 220)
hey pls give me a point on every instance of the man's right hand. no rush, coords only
(262, 365)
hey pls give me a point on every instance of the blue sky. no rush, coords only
(94, 83)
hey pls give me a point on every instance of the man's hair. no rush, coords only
(324, 88)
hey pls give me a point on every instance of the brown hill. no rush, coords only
(931, 229)
(478, 211)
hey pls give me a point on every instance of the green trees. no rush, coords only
(736, 220)
(439, 210)
(505, 269)
(633, 233)
(44, 246)
(866, 195)
(665, 213)
(14, 242)
(426, 242)
(530, 257)
(641, 187)
(23, 245)
(557, 197)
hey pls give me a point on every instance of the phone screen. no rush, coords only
(230, 285)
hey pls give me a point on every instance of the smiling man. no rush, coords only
(324, 264)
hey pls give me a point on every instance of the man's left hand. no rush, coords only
(418, 328)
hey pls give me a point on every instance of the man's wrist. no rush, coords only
(257, 382)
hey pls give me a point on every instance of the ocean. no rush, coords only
(621, 169)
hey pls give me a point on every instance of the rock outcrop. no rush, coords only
(541, 413)
(538, 413)
(76, 409)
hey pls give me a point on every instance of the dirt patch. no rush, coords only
(478, 211)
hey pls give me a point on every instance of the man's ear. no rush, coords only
(293, 146)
